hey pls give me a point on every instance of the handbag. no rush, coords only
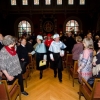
(42, 63)
(90, 81)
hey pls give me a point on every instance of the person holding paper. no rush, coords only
(57, 52)
(40, 52)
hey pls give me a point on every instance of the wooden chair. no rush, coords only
(64, 60)
(89, 92)
(69, 61)
(9, 92)
(73, 71)
(26, 75)
(31, 62)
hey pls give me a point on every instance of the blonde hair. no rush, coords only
(78, 39)
(88, 43)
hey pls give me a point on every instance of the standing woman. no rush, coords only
(56, 48)
(77, 49)
(85, 60)
(9, 62)
(40, 52)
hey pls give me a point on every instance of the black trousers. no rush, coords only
(20, 81)
(57, 65)
(23, 66)
(59, 73)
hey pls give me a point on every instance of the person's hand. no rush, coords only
(52, 59)
(44, 60)
(61, 55)
(22, 59)
(94, 63)
(10, 78)
(78, 70)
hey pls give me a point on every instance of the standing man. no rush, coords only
(23, 55)
(56, 53)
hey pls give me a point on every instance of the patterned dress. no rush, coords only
(85, 61)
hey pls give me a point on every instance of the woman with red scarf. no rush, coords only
(9, 62)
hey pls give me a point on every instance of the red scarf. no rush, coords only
(11, 50)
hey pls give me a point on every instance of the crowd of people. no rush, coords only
(50, 49)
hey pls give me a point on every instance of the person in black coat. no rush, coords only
(29, 45)
(23, 55)
(69, 42)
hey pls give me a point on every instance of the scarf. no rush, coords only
(11, 50)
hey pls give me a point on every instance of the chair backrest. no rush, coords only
(75, 67)
(3, 90)
(89, 92)
(9, 92)
(30, 58)
(69, 59)
(96, 89)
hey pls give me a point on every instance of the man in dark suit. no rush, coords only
(23, 55)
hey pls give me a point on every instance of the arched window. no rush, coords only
(24, 27)
(72, 25)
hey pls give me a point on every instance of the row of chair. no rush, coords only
(90, 93)
(71, 68)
